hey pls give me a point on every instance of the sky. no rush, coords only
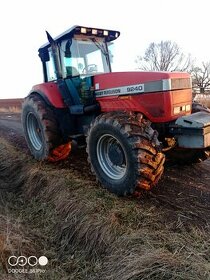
(23, 24)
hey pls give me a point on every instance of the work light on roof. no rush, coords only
(106, 33)
(83, 30)
(94, 31)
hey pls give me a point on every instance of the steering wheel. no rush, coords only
(90, 68)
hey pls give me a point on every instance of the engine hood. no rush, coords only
(133, 82)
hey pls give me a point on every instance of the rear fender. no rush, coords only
(50, 93)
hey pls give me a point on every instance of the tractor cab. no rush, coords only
(80, 51)
(72, 60)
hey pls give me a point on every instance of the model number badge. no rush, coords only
(131, 89)
(138, 88)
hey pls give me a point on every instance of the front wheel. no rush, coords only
(123, 152)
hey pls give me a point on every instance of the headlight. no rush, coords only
(188, 108)
(177, 110)
(180, 109)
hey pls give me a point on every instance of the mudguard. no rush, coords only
(50, 93)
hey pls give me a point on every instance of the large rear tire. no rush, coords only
(41, 130)
(123, 151)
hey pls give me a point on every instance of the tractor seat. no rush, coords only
(72, 71)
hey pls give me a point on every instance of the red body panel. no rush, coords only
(118, 79)
(51, 92)
(156, 106)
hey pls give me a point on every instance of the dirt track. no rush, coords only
(184, 189)
(92, 234)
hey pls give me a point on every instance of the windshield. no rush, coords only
(84, 56)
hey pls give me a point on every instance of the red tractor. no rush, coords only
(128, 120)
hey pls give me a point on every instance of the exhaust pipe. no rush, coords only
(56, 56)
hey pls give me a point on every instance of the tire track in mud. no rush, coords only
(183, 188)
(161, 234)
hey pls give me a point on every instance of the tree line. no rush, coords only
(167, 56)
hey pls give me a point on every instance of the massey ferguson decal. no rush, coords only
(132, 89)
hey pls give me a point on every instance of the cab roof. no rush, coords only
(109, 35)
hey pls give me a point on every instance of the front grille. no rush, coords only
(181, 83)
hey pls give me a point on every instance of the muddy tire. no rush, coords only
(40, 127)
(123, 152)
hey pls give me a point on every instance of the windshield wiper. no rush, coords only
(100, 47)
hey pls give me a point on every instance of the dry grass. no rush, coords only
(88, 233)
(10, 105)
(10, 109)
(14, 239)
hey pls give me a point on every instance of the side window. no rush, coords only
(51, 74)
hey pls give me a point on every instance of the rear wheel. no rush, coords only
(123, 152)
(41, 131)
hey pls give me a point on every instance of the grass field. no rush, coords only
(11, 105)
(88, 233)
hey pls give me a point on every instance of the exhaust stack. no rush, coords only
(55, 55)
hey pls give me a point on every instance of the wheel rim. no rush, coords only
(34, 131)
(111, 157)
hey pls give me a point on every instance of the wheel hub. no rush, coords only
(111, 157)
(34, 131)
(116, 155)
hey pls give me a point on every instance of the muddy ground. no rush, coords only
(182, 187)
(163, 234)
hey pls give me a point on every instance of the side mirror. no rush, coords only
(44, 56)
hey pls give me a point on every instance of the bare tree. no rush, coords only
(201, 77)
(163, 56)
